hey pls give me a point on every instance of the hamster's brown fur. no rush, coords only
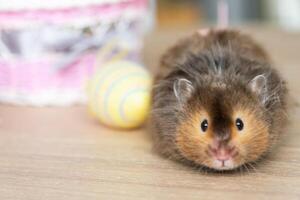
(217, 79)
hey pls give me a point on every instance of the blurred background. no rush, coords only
(285, 13)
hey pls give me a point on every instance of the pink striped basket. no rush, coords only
(48, 54)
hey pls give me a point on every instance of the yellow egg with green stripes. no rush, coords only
(119, 94)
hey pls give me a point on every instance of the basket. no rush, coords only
(47, 53)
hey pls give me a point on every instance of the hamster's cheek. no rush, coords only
(191, 141)
(253, 140)
(193, 145)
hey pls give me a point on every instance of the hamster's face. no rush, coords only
(222, 131)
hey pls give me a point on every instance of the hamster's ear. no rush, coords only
(183, 89)
(258, 85)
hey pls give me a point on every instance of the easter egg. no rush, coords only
(119, 94)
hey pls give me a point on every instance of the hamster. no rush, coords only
(217, 101)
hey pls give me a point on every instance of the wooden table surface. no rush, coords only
(62, 153)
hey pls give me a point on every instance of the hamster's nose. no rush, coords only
(222, 153)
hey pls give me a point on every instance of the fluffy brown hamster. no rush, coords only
(217, 101)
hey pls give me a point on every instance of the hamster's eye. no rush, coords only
(204, 125)
(239, 124)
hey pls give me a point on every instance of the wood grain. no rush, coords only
(62, 153)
